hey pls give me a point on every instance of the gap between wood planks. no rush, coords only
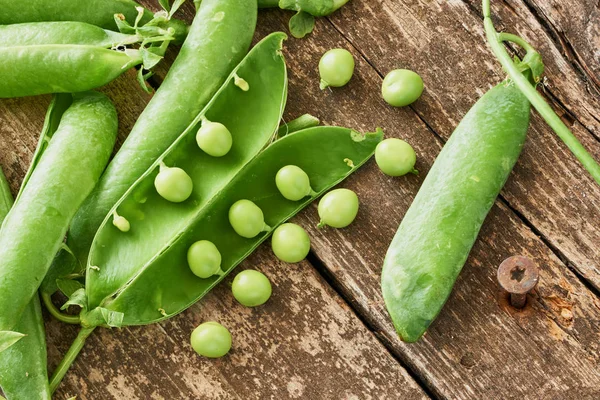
(559, 254)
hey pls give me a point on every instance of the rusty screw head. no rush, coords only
(518, 275)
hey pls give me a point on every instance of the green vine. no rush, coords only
(496, 41)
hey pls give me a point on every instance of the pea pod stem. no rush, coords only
(55, 312)
(70, 357)
(495, 40)
(302, 122)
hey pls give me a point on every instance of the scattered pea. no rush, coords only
(214, 138)
(338, 208)
(290, 243)
(251, 288)
(293, 183)
(211, 340)
(395, 157)
(204, 259)
(173, 184)
(247, 219)
(336, 68)
(401, 87)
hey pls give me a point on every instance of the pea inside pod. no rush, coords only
(251, 116)
(320, 151)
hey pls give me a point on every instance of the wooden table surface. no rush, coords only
(325, 333)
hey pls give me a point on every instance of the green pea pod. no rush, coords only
(41, 69)
(218, 39)
(64, 175)
(440, 227)
(95, 12)
(39, 33)
(164, 285)
(251, 116)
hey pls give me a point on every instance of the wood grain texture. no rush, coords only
(307, 342)
(303, 343)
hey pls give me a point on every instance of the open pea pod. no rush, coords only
(250, 105)
(165, 285)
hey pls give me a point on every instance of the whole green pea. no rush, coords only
(214, 138)
(293, 183)
(336, 68)
(173, 184)
(211, 340)
(247, 219)
(251, 288)
(290, 243)
(395, 157)
(204, 259)
(338, 208)
(401, 87)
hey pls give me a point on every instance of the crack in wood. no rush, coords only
(319, 266)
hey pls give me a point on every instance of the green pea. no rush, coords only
(247, 219)
(173, 184)
(290, 243)
(251, 288)
(293, 183)
(395, 157)
(211, 340)
(338, 208)
(214, 138)
(336, 68)
(121, 222)
(204, 259)
(401, 87)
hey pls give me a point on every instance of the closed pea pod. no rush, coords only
(95, 12)
(439, 229)
(23, 373)
(64, 175)
(218, 39)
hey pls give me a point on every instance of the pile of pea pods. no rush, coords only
(204, 177)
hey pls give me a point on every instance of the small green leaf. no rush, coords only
(114, 319)
(301, 24)
(139, 16)
(68, 286)
(123, 25)
(8, 338)
(78, 298)
(141, 78)
(149, 59)
(176, 5)
(165, 5)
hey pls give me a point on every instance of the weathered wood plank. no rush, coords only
(304, 343)
(478, 348)
(444, 42)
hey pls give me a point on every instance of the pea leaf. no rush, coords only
(301, 24)
(8, 338)
(68, 286)
(165, 5)
(78, 298)
(149, 58)
(175, 7)
(123, 25)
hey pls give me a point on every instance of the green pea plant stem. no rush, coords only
(496, 40)
(70, 357)
(67, 319)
